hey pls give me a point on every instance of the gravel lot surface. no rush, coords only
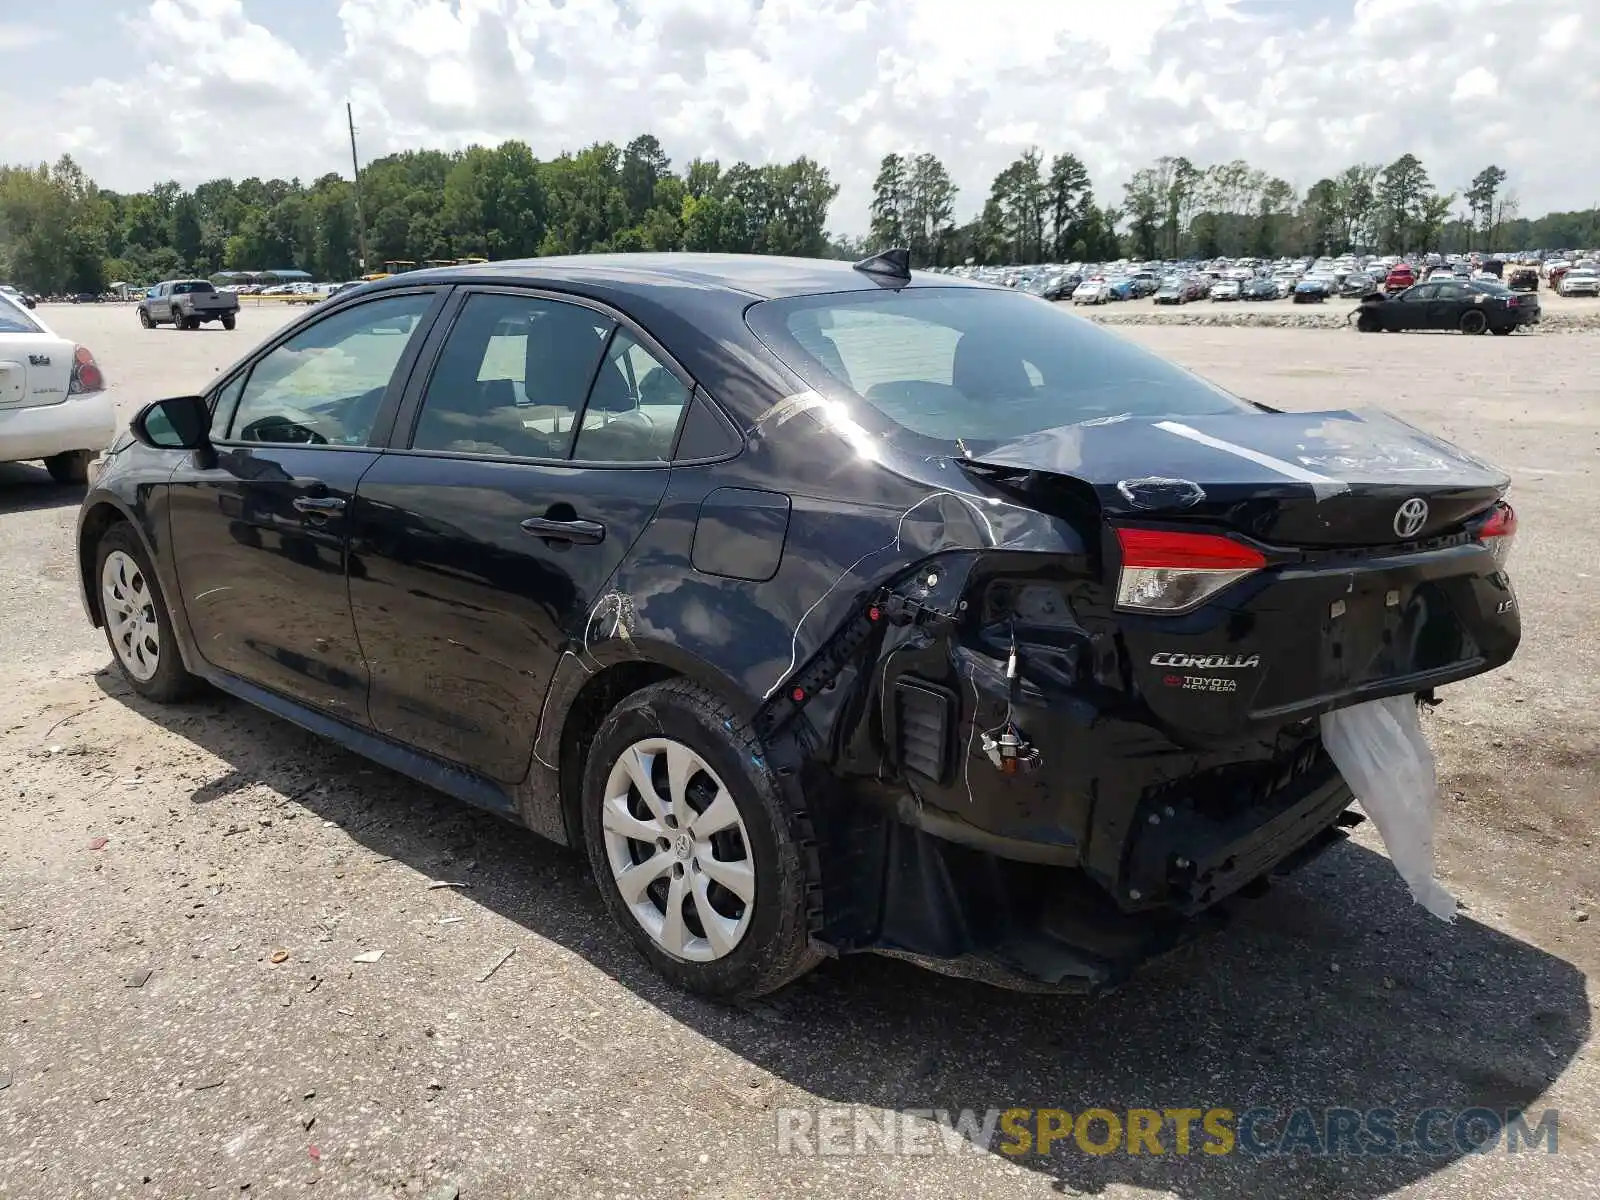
(184, 894)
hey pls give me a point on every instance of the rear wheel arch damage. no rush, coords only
(775, 854)
(582, 694)
(583, 710)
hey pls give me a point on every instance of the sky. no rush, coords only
(144, 90)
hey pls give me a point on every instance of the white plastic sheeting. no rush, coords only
(1379, 748)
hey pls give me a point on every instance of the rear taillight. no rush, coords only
(1499, 531)
(86, 373)
(1165, 572)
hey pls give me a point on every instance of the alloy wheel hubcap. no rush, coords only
(678, 850)
(130, 614)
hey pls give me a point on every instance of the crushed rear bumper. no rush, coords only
(1030, 926)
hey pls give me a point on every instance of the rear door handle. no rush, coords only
(319, 504)
(584, 533)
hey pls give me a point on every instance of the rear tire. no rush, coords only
(70, 467)
(137, 624)
(1473, 322)
(692, 922)
(228, 322)
(177, 320)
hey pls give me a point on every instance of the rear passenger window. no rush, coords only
(512, 377)
(634, 409)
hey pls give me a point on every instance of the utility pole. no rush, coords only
(355, 167)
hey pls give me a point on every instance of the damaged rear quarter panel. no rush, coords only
(850, 528)
(860, 528)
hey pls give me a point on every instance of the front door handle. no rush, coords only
(584, 533)
(319, 504)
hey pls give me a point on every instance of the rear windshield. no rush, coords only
(192, 285)
(976, 364)
(15, 319)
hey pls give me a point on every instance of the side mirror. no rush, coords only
(180, 423)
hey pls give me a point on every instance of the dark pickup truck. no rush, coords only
(187, 304)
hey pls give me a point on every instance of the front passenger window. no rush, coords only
(323, 386)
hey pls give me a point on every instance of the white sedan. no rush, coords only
(1091, 291)
(1580, 281)
(53, 400)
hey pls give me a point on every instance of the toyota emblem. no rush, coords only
(1410, 517)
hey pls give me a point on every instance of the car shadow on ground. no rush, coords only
(27, 488)
(1333, 991)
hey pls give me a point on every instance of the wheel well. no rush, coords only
(100, 518)
(593, 703)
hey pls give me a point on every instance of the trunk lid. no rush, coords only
(1325, 479)
(35, 369)
(1374, 582)
(13, 380)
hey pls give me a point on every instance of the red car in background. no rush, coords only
(1399, 278)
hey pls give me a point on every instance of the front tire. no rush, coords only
(1368, 322)
(137, 624)
(71, 467)
(144, 319)
(697, 853)
(1502, 331)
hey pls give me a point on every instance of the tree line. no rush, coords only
(60, 232)
(1175, 209)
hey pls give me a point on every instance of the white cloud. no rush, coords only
(1478, 83)
(1300, 89)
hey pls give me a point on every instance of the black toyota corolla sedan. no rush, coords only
(829, 607)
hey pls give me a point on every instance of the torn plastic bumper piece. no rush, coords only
(1045, 926)
(1185, 860)
(1024, 926)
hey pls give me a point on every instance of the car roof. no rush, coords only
(758, 276)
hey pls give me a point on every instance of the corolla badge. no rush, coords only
(1411, 517)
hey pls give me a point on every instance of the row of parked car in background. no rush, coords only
(1303, 280)
(18, 296)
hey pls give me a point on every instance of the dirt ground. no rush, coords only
(184, 894)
